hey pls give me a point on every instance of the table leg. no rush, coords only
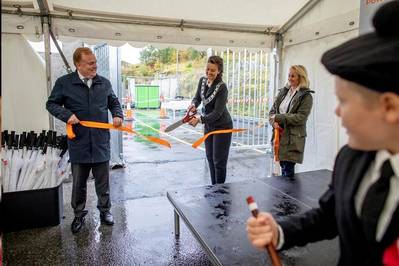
(177, 224)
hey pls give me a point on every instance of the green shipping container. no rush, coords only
(147, 96)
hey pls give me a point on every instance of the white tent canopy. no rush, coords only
(227, 23)
(258, 13)
(117, 34)
(306, 29)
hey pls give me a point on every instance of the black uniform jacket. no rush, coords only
(336, 215)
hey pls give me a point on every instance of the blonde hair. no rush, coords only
(300, 70)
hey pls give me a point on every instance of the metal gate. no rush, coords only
(247, 76)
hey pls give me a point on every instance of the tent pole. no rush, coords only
(45, 19)
(298, 15)
(146, 22)
(278, 65)
(66, 64)
(47, 51)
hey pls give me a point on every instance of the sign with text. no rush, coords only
(367, 11)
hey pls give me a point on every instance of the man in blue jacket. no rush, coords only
(84, 95)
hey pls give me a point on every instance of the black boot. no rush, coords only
(78, 223)
(107, 218)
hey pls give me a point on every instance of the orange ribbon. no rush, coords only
(222, 131)
(276, 143)
(91, 124)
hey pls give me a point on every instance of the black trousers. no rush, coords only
(287, 168)
(80, 173)
(217, 153)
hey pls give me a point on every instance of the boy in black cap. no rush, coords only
(361, 205)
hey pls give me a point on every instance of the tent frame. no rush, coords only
(46, 20)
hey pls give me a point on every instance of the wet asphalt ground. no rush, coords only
(143, 233)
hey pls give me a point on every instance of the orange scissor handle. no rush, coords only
(189, 115)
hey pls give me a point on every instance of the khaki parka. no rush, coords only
(292, 140)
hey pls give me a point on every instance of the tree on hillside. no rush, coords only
(149, 55)
(167, 55)
(195, 54)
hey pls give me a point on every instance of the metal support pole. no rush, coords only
(244, 93)
(267, 96)
(261, 69)
(278, 66)
(66, 64)
(177, 73)
(119, 90)
(239, 98)
(227, 66)
(233, 88)
(249, 95)
(256, 98)
(47, 52)
(177, 224)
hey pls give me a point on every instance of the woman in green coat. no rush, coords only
(290, 111)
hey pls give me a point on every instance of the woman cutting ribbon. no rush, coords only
(212, 92)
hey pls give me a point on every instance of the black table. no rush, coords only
(216, 215)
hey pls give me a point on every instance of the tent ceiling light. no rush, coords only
(351, 23)
(71, 30)
(37, 32)
(20, 27)
(197, 39)
(70, 13)
(159, 37)
(118, 34)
